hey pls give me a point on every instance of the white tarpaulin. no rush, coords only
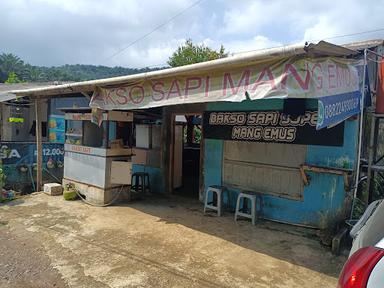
(287, 78)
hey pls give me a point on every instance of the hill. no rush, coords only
(14, 69)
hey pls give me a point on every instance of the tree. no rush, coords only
(34, 74)
(25, 72)
(11, 63)
(190, 53)
(13, 78)
(3, 76)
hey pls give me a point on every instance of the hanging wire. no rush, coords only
(155, 29)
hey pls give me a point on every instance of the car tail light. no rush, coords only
(359, 266)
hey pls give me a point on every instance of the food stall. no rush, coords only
(98, 151)
(18, 147)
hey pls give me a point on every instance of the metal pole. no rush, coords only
(371, 147)
(360, 132)
(39, 148)
(375, 122)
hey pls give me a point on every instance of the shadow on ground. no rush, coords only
(169, 240)
(296, 245)
(13, 202)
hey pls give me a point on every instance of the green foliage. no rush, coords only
(358, 209)
(86, 72)
(13, 78)
(377, 190)
(197, 134)
(34, 74)
(2, 177)
(190, 53)
(70, 195)
(10, 63)
(15, 70)
(362, 191)
(70, 192)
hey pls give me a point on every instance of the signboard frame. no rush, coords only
(270, 126)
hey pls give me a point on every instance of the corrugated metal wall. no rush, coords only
(269, 168)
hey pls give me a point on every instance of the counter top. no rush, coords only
(102, 152)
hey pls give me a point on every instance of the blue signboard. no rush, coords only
(25, 153)
(56, 133)
(337, 108)
(19, 163)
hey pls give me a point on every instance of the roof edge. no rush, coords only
(321, 48)
(88, 86)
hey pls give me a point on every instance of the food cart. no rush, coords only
(97, 160)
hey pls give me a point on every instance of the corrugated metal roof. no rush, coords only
(320, 49)
(361, 45)
(6, 89)
(327, 49)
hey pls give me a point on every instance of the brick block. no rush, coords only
(53, 189)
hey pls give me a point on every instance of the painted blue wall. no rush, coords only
(322, 199)
(112, 130)
(155, 177)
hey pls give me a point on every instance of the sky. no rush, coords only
(57, 32)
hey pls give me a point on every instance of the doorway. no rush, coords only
(187, 154)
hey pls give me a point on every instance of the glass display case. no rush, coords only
(74, 132)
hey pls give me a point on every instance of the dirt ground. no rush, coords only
(48, 242)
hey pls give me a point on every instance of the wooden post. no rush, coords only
(202, 163)
(39, 145)
(171, 175)
(166, 150)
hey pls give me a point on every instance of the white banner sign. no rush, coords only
(289, 78)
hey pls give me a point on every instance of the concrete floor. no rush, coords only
(49, 242)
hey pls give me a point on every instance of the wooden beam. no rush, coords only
(171, 174)
(320, 169)
(202, 163)
(166, 150)
(39, 145)
(168, 138)
(304, 176)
